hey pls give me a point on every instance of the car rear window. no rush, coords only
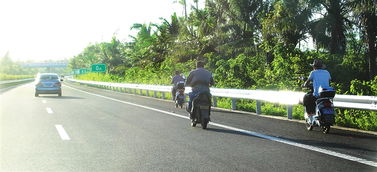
(48, 77)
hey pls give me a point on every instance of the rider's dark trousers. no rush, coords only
(309, 103)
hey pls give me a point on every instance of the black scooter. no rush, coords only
(201, 110)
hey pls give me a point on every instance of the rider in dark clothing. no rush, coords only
(176, 79)
(199, 80)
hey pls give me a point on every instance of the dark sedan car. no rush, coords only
(48, 83)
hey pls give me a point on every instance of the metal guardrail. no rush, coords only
(288, 98)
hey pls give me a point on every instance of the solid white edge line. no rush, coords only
(251, 133)
(49, 110)
(63, 134)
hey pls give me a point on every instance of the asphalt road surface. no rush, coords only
(91, 129)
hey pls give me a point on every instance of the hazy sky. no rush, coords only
(59, 29)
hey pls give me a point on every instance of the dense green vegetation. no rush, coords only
(253, 44)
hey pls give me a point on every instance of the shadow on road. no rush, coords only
(57, 97)
(317, 143)
(358, 135)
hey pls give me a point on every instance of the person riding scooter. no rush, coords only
(199, 80)
(175, 80)
(180, 94)
(320, 79)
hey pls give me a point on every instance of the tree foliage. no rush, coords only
(256, 44)
(250, 43)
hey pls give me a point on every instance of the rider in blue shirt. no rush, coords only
(320, 78)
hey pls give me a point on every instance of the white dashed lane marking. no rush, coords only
(63, 134)
(49, 110)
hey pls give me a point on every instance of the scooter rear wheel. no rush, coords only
(326, 129)
(204, 123)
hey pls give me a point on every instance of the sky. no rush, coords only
(60, 29)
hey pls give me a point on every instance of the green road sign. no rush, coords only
(83, 71)
(98, 67)
(76, 71)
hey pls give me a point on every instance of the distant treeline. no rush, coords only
(10, 69)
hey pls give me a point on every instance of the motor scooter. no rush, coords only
(324, 113)
(201, 109)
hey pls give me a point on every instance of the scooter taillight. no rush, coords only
(327, 104)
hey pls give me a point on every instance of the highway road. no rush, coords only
(91, 129)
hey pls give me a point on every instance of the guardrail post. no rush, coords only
(289, 111)
(134, 91)
(234, 104)
(258, 108)
(163, 95)
(214, 101)
(148, 93)
(141, 92)
(155, 94)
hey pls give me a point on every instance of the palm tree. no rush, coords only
(286, 24)
(365, 13)
(329, 31)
